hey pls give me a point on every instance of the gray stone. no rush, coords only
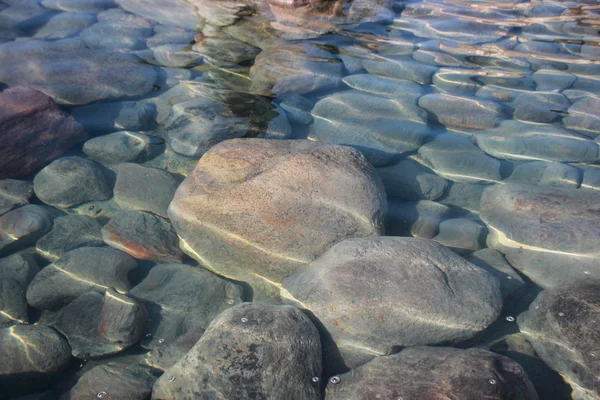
(546, 174)
(110, 117)
(144, 236)
(64, 25)
(68, 233)
(145, 189)
(583, 117)
(176, 13)
(591, 180)
(550, 80)
(409, 180)
(463, 195)
(562, 325)
(501, 94)
(24, 226)
(16, 272)
(438, 372)
(540, 107)
(384, 86)
(77, 272)
(118, 380)
(458, 82)
(298, 109)
(13, 194)
(32, 358)
(294, 69)
(263, 352)
(493, 262)
(117, 30)
(182, 299)
(90, 318)
(71, 73)
(377, 126)
(419, 219)
(462, 112)
(412, 292)
(256, 210)
(441, 59)
(79, 6)
(163, 357)
(70, 181)
(123, 146)
(400, 67)
(461, 235)
(223, 50)
(547, 233)
(456, 158)
(514, 140)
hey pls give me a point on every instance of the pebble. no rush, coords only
(123, 147)
(582, 117)
(409, 180)
(16, 272)
(14, 193)
(540, 107)
(24, 226)
(110, 117)
(462, 235)
(400, 67)
(69, 232)
(546, 174)
(494, 262)
(298, 109)
(462, 112)
(419, 219)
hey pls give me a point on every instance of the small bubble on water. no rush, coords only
(593, 354)
(161, 340)
(492, 381)
(537, 307)
(171, 379)
(586, 272)
(509, 277)
(377, 396)
(101, 394)
(230, 301)
(148, 334)
(561, 314)
(334, 379)
(315, 379)
(244, 319)
(510, 319)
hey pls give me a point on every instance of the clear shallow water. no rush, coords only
(478, 122)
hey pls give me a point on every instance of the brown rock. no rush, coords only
(33, 131)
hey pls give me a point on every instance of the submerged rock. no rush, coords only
(583, 117)
(377, 126)
(437, 372)
(409, 180)
(540, 107)
(374, 294)
(16, 272)
(298, 108)
(33, 357)
(110, 117)
(493, 262)
(252, 351)
(144, 236)
(64, 25)
(419, 219)
(77, 272)
(182, 299)
(546, 174)
(547, 233)
(384, 86)
(117, 30)
(461, 235)
(33, 129)
(400, 67)
(562, 325)
(123, 146)
(256, 210)
(14, 193)
(79, 6)
(24, 226)
(71, 181)
(462, 112)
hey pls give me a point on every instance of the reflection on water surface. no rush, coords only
(299, 199)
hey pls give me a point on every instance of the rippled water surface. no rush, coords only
(294, 199)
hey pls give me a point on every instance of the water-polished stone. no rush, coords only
(24, 226)
(379, 127)
(373, 294)
(79, 6)
(294, 69)
(458, 159)
(223, 50)
(167, 355)
(420, 219)
(461, 235)
(144, 236)
(16, 272)
(540, 107)
(463, 195)
(262, 351)
(515, 140)
(93, 325)
(14, 193)
(144, 189)
(494, 262)
(562, 325)
(384, 86)
(71, 181)
(409, 180)
(34, 130)
(298, 108)
(64, 25)
(546, 174)
(117, 380)
(117, 30)
(547, 233)
(583, 117)
(437, 372)
(175, 13)
(550, 80)
(459, 82)
(462, 112)
(110, 117)
(400, 67)
(70, 73)
(182, 299)
(32, 358)
(77, 272)
(123, 146)
(256, 210)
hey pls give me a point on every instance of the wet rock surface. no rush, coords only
(33, 129)
(123, 147)
(462, 112)
(438, 302)
(25, 225)
(562, 325)
(68, 233)
(437, 372)
(234, 357)
(14, 193)
(16, 272)
(244, 193)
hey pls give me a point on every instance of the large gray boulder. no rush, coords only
(562, 325)
(24, 226)
(547, 233)
(435, 373)
(16, 272)
(257, 210)
(251, 351)
(374, 294)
